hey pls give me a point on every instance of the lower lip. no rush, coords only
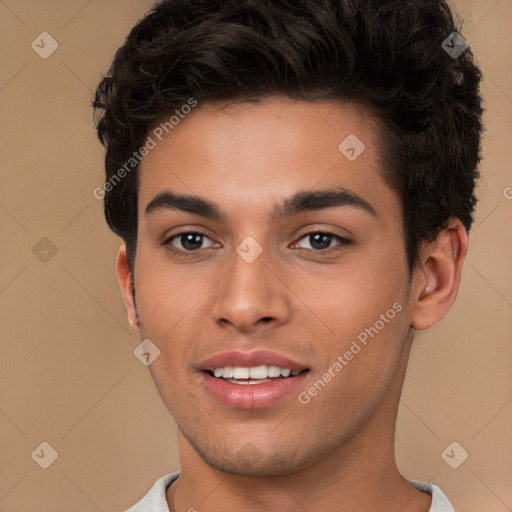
(252, 396)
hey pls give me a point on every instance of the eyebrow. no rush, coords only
(300, 202)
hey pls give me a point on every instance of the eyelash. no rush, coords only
(187, 254)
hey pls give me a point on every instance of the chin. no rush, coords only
(247, 468)
(248, 461)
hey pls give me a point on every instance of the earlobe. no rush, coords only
(124, 278)
(437, 278)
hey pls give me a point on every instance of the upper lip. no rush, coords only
(250, 359)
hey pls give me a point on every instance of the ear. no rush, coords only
(124, 279)
(437, 276)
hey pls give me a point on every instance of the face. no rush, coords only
(261, 272)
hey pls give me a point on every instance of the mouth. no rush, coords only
(253, 380)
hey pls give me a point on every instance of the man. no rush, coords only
(294, 183)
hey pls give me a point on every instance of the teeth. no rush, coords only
(240, 373)
(227, 372)
(248, 381)
(255, 372)
(258, 372)
(274, 371)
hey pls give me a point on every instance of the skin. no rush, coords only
(336, 452)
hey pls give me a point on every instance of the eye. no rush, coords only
(187, 241)
(321, 241)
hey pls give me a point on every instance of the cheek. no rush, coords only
(351, 298)
(167, 297)
(365, 307)
(360, 365)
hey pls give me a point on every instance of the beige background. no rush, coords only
(68, 373)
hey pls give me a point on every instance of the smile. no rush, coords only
(251, 380)
(243, 391)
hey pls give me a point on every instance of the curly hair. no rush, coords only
(384, 55)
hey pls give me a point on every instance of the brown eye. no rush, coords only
(187, 241)
(321, 241)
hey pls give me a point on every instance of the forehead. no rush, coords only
(243, 155)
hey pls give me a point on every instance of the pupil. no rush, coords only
(191, 241)
(320, 240)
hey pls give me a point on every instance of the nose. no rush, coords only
(251, 296)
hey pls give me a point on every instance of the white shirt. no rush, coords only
(155, 500)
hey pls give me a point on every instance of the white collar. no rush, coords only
(155, 500)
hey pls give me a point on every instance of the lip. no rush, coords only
(252, 396)
(250, 359)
